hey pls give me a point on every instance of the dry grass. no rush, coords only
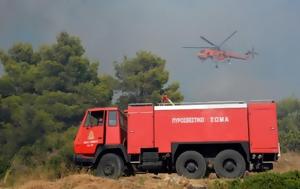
(85, 181)
(288, 162)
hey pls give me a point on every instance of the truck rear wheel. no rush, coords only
(229, 164)
(191, 164)
(110, 165)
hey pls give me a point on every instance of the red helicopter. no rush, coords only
(216, 53)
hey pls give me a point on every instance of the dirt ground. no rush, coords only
(288, 161)
(140, 181)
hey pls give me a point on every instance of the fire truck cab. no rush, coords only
(191, 139)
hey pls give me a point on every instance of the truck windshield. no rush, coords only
(94, 118)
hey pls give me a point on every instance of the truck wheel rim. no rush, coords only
(229, 165)
(108, 170)
(191, 167)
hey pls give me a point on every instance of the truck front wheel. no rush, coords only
(110, 165)
(191, 164)
(229, 164)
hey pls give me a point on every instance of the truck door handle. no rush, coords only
(131, 131)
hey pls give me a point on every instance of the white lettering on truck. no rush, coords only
(212, 119)
(219, 119)
(188, 120)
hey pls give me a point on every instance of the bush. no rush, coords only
(262, 181)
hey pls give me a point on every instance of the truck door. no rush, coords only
(91, 132)
(112, 129)
(140, 128)
(263, 129)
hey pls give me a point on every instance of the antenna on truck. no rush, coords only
(165, 99)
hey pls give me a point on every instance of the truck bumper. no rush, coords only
(83, 160)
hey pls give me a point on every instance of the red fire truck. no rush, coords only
(191, 139)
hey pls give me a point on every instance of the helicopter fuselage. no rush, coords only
(220, 55)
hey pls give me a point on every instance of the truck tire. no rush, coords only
(229, 164)
(191, 164)
(110, 166)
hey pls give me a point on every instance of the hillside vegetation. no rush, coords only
(44, 93)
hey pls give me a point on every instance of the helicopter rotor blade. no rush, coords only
(196, 47)
(227, 38)
(209, 42)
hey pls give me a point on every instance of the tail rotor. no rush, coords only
(252, 53)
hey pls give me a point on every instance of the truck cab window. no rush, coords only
(112, 118)
(94, 118)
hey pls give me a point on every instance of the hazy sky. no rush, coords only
(113, 28)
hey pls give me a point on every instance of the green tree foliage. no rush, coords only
(289, 124)
(44, 92)
(143, 78)
(43, 95)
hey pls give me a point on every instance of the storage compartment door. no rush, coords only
(263, 128)
(140, 128)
